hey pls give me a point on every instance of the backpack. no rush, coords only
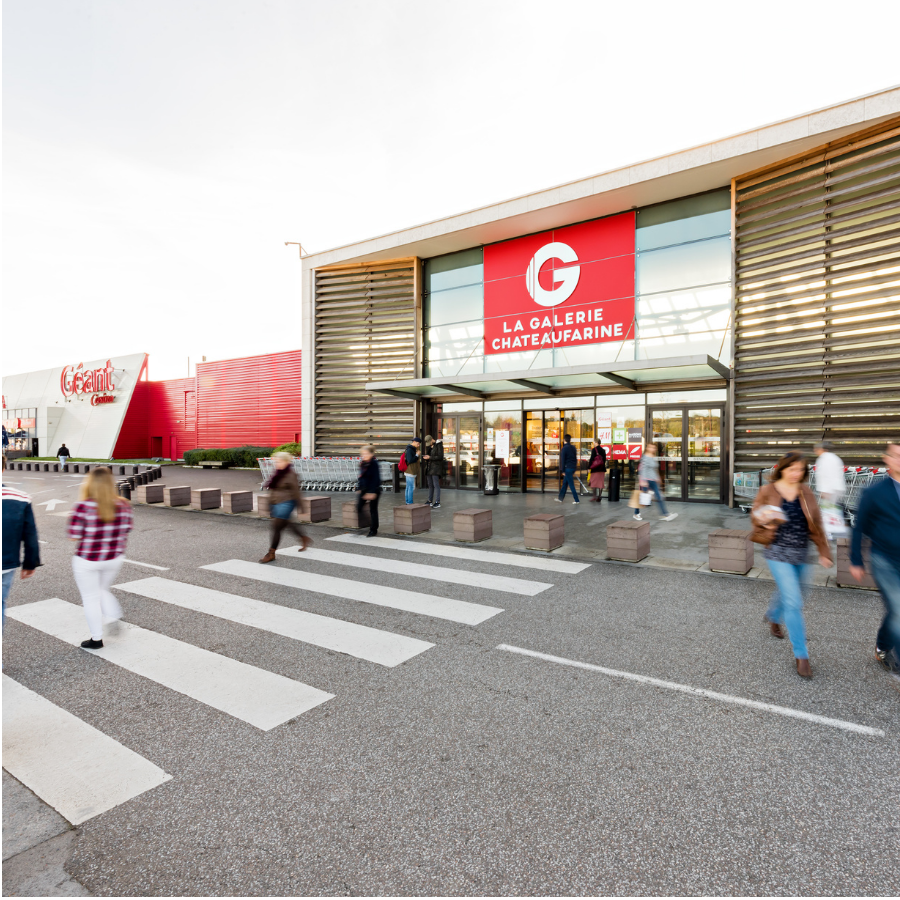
(402, 464)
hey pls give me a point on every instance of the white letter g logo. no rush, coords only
(567, 278)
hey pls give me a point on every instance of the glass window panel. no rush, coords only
(500, 405)
(689, 265)
(687, 396)
(454, 269)
(585, 354)
(554, 402)
(462, 406)
(449, 368)
(681, 231)
(704, 453)
(606, 400)
(508, 446)
(454, 341)
(514, 362)
(685, 208)
(708, 342)
(458, 305)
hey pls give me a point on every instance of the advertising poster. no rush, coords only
(619, 451)
(605, 435)
(620, 436)
(502, 449)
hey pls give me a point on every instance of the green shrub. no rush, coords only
(243, 457)
(293, 449)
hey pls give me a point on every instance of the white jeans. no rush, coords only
(62, 462)
(94, 580)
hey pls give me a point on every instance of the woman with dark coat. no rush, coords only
(597, 468)
(369, 486)
(284, 498)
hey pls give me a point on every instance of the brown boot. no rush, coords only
(775, 628)
(268, 557)
(803, 669)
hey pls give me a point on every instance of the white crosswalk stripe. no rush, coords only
(455, 551)
(70, 765)
(417, 570)
(395, 598)
(253, 695)
(360, 641)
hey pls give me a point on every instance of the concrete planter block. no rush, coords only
(177, 495)
(730, 550)
(545, 531)
(350, 518)
(150, 493)
(315, 507)
(206, 498)
(473, 525)
(262, 504)
(844, 578)
(237, 501)
(628, 540)
(413, 519)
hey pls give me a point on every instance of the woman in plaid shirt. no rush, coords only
(100, 523)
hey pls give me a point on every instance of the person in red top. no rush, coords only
(100, 523)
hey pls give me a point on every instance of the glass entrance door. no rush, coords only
(462, 451)
(689, 443)
(544, 434)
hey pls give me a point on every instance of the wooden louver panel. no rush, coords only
(817, 302)
(365, 330)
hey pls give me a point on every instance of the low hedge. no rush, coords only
(293, 449)
(244, 457)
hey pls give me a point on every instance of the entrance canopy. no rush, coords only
(674, 373)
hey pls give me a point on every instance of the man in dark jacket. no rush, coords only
(369, 486)
(434, 469)
(19, 531)
(878, 518)
(568, 463)
(63, 454)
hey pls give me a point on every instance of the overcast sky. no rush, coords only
(157, 155)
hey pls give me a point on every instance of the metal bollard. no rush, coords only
(125, 490)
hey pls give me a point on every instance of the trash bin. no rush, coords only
(491, 480)
(613, 486)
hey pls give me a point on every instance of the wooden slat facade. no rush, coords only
(365, 330)
(817, 302)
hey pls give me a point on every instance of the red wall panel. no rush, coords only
(254, 400)
(132, 440)
(159, 409)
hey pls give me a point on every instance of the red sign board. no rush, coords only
(620, 451)
(635, 451)
(562, 288)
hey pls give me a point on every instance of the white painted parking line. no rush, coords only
(253, 695)
(545, 564)
(70, 765)
(360, 641)
(134, 562)
(422, 604)
(701, 692)
(416, 570)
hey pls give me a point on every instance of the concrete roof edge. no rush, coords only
(311, 257)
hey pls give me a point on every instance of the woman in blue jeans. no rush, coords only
(785, 519)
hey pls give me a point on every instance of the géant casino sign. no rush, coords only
(78, 380)
(561, 288)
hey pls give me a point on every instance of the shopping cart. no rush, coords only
(327, 473)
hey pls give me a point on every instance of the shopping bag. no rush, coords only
(833, 519)
(646, 498)
(635, 501)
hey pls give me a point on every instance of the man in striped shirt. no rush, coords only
(19, 531)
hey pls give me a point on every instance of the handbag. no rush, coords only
(832, 519)
(635, 501)
(646, 498)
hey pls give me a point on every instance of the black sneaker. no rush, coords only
(372, 534)
(435, 505)
(91, 644)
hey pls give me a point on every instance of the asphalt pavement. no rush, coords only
(466, 768)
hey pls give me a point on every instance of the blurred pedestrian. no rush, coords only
(831, 487)
(785, 519)
(284, 498)
(63, 455)
(410, 468)
(568, 463)
(100, 523)
(434, 469)
(369, 486)
(648, 480)
(597, 468)
(19, 536)
(878, 518)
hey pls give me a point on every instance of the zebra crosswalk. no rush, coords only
(249, 693)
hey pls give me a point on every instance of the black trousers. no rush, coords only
(373, 511)
(278, 525)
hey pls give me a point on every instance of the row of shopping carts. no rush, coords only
(328, 473)
(858, 478)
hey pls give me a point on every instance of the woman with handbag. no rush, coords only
(648, 480)
(284, 498)
(597, 468)
(785, 519)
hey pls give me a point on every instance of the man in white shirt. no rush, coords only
(829, 473)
